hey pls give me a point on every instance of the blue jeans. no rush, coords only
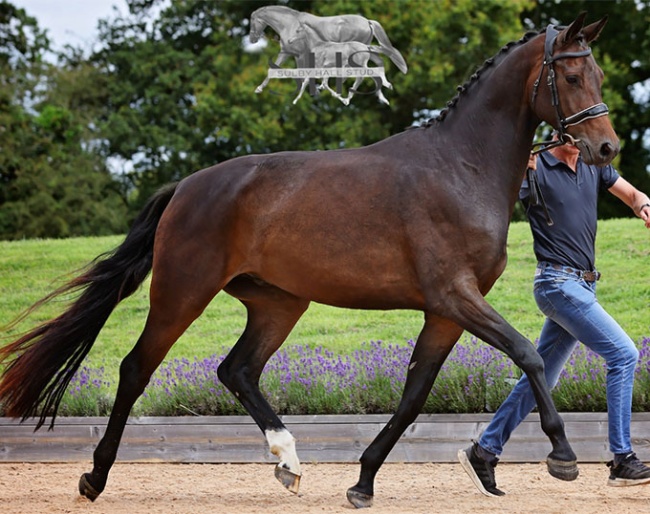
(573, 314)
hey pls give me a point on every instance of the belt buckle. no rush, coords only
(591, 276)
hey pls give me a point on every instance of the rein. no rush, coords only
(595, 111)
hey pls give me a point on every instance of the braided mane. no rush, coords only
(462, 89)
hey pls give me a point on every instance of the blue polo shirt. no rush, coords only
(571, 199)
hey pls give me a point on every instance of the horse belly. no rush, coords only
(340, 271)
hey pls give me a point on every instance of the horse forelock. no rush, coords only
(463, 89)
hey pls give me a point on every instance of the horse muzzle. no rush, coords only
(598, 153)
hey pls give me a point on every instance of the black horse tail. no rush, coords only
(41, 363)
(387, 46)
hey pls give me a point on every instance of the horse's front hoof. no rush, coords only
(288, 479)
(87, 490)
(358, 499)
(562, 470)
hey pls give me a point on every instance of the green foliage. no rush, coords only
(168, 89)
(182, 85)
(53, 183)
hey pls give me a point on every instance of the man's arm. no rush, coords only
(633, 198)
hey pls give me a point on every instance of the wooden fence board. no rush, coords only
(236, 439)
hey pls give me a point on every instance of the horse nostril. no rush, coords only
(607, 149)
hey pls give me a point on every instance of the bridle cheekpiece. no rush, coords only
(595, 111)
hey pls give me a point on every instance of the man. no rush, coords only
(562, 214)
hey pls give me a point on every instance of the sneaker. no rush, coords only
(630, 471)
(480, 470)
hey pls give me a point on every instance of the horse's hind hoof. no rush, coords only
(562, 470)
(87, 490)
(358, 499)
(288, 479)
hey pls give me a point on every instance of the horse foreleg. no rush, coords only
(353, 90)
(272, 313)
(433, 345)
(280, 59)
(474, 314)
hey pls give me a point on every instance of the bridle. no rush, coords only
(595, 111)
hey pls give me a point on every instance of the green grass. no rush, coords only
(31, 269)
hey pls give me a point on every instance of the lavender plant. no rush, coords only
(312, 380)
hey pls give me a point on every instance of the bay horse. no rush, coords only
(296, 28)
(416, 221)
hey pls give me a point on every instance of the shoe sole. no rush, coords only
(467, 466)
(627, 482)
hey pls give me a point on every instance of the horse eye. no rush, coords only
(572, 79)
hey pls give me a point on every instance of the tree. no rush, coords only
(181, 83)
(53, 183)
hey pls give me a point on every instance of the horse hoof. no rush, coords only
(258, 90)
(87, 490)
(358, 499)
(288, 479)
(562, 470)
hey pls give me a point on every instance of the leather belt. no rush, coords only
(587, 276)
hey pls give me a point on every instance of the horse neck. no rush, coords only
(281, 22)
(495, 117)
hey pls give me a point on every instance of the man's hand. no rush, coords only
(644, 214)
(532, 162)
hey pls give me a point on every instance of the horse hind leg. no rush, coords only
(433, 345)
(272, 314)
(168, 318)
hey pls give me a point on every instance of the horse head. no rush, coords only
(257, 28)
(572, 102)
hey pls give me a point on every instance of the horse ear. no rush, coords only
(572, 31)
(592, 31)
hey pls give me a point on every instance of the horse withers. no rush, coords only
(416, 221)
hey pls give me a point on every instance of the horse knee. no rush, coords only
(531, 363)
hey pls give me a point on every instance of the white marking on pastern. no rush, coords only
(283, 444)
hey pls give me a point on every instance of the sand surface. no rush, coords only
(252, 489)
